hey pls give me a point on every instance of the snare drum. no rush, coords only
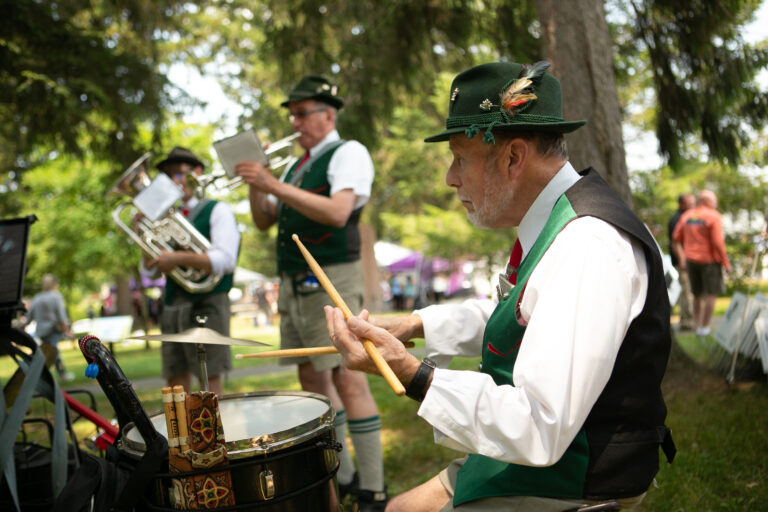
(281, 448)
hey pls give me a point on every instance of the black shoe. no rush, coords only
(370, 501)
(349, 489)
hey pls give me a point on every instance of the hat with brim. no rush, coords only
(505, 97)
(181, 155)
(315, 87)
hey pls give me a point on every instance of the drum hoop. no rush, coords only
(257, 445)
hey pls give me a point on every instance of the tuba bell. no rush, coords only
(158, 226)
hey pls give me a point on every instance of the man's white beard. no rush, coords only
(496, 200)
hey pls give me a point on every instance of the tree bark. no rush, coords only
(576, 41)
(372, 301)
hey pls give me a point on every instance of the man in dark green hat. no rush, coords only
(216, 222)
(320, 197)
(567, 408)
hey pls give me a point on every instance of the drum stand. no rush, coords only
(201, 358)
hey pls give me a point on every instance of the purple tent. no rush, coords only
(412, 262)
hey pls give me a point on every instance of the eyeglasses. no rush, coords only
(301, 114)
(178, 173)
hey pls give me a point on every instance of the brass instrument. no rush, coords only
(158, 225)
(200, 183)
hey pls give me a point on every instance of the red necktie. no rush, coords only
(514, 261)
(303, 159)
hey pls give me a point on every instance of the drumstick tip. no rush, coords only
(295, 237)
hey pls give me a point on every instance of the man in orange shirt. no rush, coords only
(700, 246)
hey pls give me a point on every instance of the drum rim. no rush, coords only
(255, 446)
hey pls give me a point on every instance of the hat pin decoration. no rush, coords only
(519, 92)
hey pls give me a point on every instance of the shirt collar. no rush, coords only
(536, 216)
(191, 203)
(332, 136)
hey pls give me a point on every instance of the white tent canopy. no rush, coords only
(244, 276)
(388, 253)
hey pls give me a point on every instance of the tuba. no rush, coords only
(158, 225)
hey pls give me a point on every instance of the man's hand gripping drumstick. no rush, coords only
(374, 355)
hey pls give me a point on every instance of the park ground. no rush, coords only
(719, 427)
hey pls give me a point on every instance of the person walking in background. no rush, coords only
(181, 309)
(700, 245)
(685, 302)
(409, 292)
(320, 198)
(49, 313)
(398, 294)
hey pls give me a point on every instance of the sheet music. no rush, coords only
(241, 147)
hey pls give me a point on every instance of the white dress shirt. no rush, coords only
(350, 167)
(579, 302)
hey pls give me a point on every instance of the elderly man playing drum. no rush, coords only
(567, 409)
(320, 197)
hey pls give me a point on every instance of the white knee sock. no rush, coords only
(366, 437)
(346, 466)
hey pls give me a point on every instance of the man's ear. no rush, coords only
(516, 153)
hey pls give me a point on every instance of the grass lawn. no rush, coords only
(720, 430)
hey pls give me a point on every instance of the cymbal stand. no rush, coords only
(201, 356)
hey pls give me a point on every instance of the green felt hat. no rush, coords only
(315, 87)
(505, 96)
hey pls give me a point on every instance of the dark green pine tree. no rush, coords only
(703, 75)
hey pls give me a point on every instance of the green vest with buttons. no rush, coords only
(201, 222)
(615, 454)
(328, 245)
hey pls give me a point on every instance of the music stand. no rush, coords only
(14, 235)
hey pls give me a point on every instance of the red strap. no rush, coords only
(514, 260)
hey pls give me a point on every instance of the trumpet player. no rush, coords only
(320, 197)
(181, 308)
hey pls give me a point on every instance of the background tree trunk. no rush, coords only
(576, 40)
(372, 301)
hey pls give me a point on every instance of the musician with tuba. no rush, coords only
(320, 197)
(183, 304)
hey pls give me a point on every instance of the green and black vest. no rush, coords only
(615, 454)
(202, 222)
(327, 244)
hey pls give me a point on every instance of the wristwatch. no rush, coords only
(419, 381)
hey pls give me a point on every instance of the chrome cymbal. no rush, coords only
(200, 335)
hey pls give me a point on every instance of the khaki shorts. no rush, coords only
(302, 318)
(516, 503)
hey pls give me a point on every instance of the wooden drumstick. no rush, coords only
(370, 348)
(299, 352)
(290, 352)
(180, 404)
(171, 424)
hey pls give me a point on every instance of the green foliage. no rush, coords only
(703, 74)
(71, 69)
